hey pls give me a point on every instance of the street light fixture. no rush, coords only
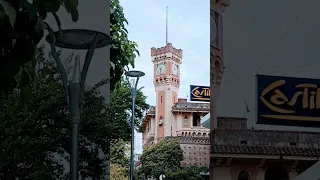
(133, 89)
(78, 39)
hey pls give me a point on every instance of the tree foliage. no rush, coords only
(21, 29)
(118, 172)
(166, 156)
(119, 153)
(123, 51)
(120, 162)
(164, 159)
(35, 141)
(190, 173)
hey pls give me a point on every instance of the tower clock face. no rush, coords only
(161, 69)
(175, 69)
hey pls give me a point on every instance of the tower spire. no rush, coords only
(166, 25)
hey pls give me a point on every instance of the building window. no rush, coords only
(196, 120)
(185, 120)
(243, 175)
(161, 99)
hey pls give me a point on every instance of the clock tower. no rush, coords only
(167, 61)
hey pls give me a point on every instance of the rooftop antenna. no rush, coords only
(167, 25)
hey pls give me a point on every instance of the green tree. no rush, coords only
(35, 141)
(21, 29)
(118, 172)
(123, 51)
(119, 153)
(190, 173)
(161, 158)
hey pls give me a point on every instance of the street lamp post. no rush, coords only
(79, 39)
(133, 89)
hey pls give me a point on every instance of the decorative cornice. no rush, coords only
(168, 48)
(166, 80)
(192, 140)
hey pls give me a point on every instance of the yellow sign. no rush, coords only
(301, 105)
(200, 93)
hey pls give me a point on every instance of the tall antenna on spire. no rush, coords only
(166, 25)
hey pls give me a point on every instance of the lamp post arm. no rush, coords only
(56, 17)
(57, 59)
(86, 65)
(135, 86)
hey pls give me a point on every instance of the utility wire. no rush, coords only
(272, 72)
(281, 39)
(269, 56)
(204, 65)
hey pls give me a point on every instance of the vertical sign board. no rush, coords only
(199, 93)
(288, 101)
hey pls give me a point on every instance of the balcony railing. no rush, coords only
(195, 132)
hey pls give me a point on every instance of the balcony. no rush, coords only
(196, 131)
(147, 137)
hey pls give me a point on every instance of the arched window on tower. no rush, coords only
(185, 121)
(243, 175)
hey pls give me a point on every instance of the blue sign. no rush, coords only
(199, 93)
(288, 101)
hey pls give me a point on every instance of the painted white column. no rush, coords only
(152, 125)
(156, 121)
(179, 123)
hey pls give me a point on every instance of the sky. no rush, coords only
(187, 31)
(259, 37)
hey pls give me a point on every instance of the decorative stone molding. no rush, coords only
(166, 80)
(184, 106)
(218, 161)
(267, 138)
(262, 163)
(294, 165)
(168, 48)
(232, 123)
(228, 162)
